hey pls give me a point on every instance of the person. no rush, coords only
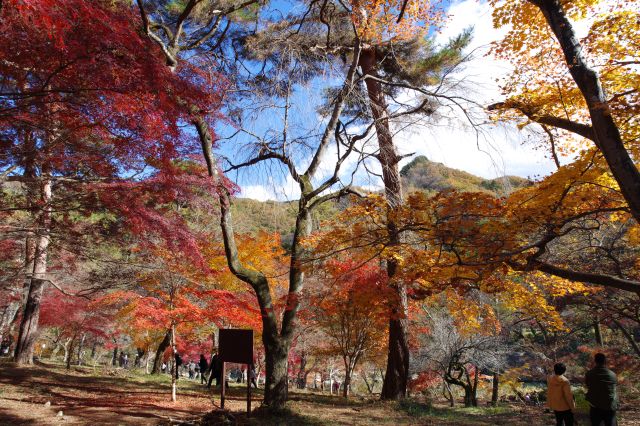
(252, 375)
(126, 360)
(559, 396)
(164, 367)
(121, 359)
(204, 365)
(214, 369)
(192, 369)
(601, 392)
(178, 361)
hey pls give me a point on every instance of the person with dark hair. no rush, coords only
(204, 365)
(601, 392)
(178, 362)
(559, 396)
(215, 369)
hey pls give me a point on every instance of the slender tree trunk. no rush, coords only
(474, 390)
(69, 353)
(397, 374)
(607, 134)
(157, 361)
(495, 387)
(628, 336)
(80, 345)
(448, 395)
(174, 375)
(114, 358)
(31, 313)
(598, 332)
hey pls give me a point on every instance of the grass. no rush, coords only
(421, 409)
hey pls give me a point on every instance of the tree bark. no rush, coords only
(31, 313)
(157, 361)
(597, 332)
(607, 134)
(628, 336)
(495, 387)
(397, 373)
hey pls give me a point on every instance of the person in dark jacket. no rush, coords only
(204, 365)
(215, 369)
(601, 393)
(178, 360)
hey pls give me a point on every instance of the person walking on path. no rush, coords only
(204, 365)
(601, 393)
(559, 396)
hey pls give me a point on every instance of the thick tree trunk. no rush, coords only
(347, 382)
(397, 374)
(607, 134)
(31, 313)
(157, 361)
(276, 386)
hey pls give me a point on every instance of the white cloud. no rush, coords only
(496, 151)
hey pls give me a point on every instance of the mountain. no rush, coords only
(421, 174)
(251, 216)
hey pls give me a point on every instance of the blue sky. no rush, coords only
(496, 151)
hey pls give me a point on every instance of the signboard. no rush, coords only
(235, 345)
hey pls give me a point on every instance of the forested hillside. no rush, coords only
(419, 175)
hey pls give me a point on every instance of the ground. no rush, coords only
(47, 394)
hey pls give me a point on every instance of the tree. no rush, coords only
(459, 354)
(351, 310)
(598, 100)
(78, 113)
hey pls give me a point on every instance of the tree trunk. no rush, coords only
(397, 374)
(628, 336)
(495, 389)
(80, 348)
(607, 134)
(174, 375)
(69, 353)
(31, 313)
(114, 358)
(157, 361)
(468, 395)
(448, 395)
(276, 386)
(347, 383)
(474, 390)
(598, 332)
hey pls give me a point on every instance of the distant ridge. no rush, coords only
(421, 174)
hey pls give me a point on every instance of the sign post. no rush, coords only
(236, 345)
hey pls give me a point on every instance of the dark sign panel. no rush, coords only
(236, 345)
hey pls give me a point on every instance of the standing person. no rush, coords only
(178, 361)
(204, 365)
(253, 377)
(559, 396)
(601, 392)
(215, 372)
(191, 367)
